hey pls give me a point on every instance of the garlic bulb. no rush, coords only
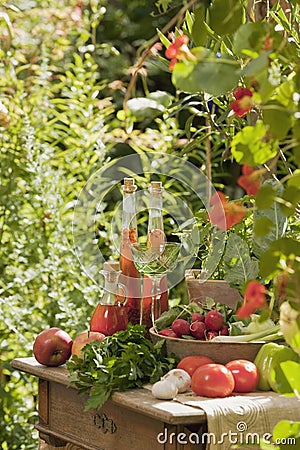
(180, 377)
(164, 389)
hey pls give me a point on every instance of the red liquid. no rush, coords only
(156, 237)
(128, 269)
(108, 319)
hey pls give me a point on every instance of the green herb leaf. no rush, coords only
(125, 360)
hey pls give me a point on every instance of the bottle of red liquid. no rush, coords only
(130, 275)
(155, 238)
(110, 315)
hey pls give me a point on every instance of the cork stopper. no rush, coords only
(156, 184)
(129, 185)
(156, 188)
(111, 266)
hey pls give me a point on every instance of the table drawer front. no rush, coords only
(110, 428)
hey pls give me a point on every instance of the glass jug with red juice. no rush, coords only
(110, 315)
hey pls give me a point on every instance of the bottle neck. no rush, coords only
(129, 211)
(156, 235)
(155, 212)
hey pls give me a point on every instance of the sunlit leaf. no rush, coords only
(287, 433)
(250, 146)
(240, 267)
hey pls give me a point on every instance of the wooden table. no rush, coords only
(131, 420)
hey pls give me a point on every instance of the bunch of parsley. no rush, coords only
(125, 360)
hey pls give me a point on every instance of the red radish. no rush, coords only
(224, 330)
(214, 320)
(198, 329)
(197, 317)
(180, 327)
(167, 332)
(211, 334)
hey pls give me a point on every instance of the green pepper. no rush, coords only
(269, 356)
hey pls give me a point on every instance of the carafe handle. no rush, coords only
(121, 299)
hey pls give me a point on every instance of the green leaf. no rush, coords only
(287, 433)
(189, 20)
(199, 30)
(265, 196)
(226, 16)
(122, 361)
(215, 76)
(295, 179)
(250, 146)
(285, 94)
(215, 253)
(249, 36)
(279, 250)
(278, 120)
(291, 195)
(272, 219)
(263, 225)
(165, 41)
(239, 266)
(297, 79)
(167, 317)
(256, 65)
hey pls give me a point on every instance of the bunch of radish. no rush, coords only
(202, 327)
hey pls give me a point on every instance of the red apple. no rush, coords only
(52, 347)
(84, 338)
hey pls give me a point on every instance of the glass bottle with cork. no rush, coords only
(129, 235)
(155, 238)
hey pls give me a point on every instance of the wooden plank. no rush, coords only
(137, 400)
(218, 290)
(172, 412)
(43, 404)
(31, 366)
(44, 446)
(105, 429)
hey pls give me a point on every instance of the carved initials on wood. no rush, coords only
(104, 424)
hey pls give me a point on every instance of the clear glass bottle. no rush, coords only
(110, 315)
(130, 275)
(155, 238)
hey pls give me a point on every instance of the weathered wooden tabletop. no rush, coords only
(138, 400)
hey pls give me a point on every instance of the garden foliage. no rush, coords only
(83, 83)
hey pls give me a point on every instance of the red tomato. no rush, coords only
(212, 380)
(191, 363)
(245, 374)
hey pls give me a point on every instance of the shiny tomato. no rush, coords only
(245, 374)
(191, 363)
(212, 380)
